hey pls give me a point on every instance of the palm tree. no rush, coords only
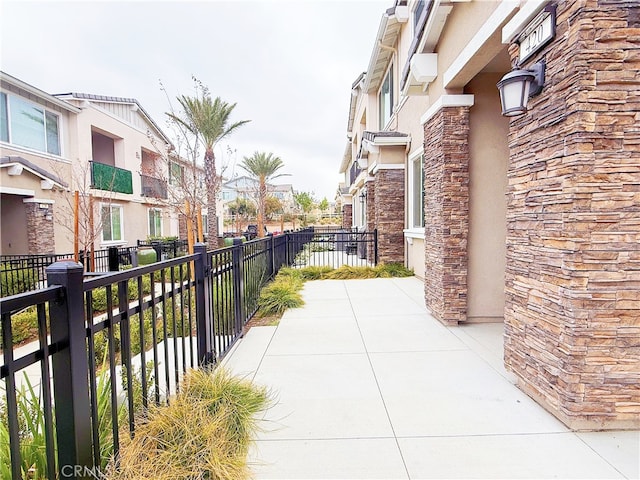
(208, 121)
(262, 166)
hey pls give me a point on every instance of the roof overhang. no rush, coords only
(88, 97)
(372, 141)
(384, 47)
(346, 158)
(39, 93)
(356, 90)
(17, 166)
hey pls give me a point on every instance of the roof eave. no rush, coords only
(39, 93)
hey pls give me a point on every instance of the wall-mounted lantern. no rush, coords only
(517, 86)
(363, 197)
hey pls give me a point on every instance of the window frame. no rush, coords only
(176, 180)
(111, 207)
(415, 158)
(51, 126)
(391, 98)
(154, 211)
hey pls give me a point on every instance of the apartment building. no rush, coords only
(106, 148)
(526, 214)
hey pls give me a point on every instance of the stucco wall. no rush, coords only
(414, 248)
(465, 20)
(489, 154)
(13, 230)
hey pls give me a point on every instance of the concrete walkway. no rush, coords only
(369, 385)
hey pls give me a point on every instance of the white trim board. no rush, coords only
(464, 100)
(489, 27)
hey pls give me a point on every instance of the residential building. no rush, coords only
(246, 187)
(124, 151)
(108, 149)
(36, 150)
(533, 220)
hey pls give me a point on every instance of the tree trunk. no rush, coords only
(262, 199)
(212, 193)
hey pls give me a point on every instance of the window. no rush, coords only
(155, 222)
(4, 119)
(385, 99)
(176, 172)
(416, 173)
(111, 216)
(28, 125)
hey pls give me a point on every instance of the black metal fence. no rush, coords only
(110, 345)
(334, 247)
(167, 248)
(21, 273)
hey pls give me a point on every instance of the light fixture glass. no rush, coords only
(517, 86)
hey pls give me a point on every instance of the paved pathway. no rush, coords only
(369, 385)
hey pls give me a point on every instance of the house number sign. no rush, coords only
(540, 31)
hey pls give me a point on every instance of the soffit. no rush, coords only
(388, 33)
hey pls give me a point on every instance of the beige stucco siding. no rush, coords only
(462, 24)
(13, 231)
(415, 255)
(489, 153)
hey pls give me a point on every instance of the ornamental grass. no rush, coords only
(204, 433)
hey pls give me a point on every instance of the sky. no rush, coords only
(288, 65)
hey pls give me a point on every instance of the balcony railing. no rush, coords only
(354, 172)
(113, 179)
(153, 187)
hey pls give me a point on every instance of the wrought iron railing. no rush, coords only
(153, 187)
(109, 346)
(22, 273)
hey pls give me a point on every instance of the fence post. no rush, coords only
(114, 264)
(272, 257)
(157, 246)
(375, 245)
(70, 368)
(203, 317)
(238, 283)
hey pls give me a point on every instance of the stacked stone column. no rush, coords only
(40, 235)
(572, 316)
(446, 169)
(347, 216)
(389, 215)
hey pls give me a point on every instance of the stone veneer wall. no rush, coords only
(446, 172)
(572, 316)
(389, 215)
(347, 216)
(40, 236)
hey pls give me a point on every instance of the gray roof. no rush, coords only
(107, 98)
(371, 136)
(33, 167)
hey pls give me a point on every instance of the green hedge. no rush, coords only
(17, 278)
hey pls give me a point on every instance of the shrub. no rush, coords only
(279, 295)
(24, 326)
(17, 278)
(204, 433)
(346, 272)
(31, 423)
(394, 270)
